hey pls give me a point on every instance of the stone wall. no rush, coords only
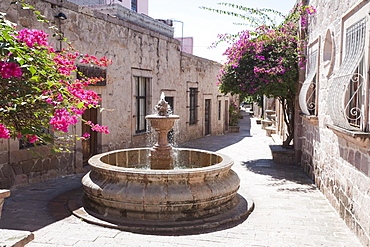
(19, 167)
(337, 159)
(135, 51)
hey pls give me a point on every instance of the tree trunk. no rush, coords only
(288, 113)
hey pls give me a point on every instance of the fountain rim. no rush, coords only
(155, 116)
(95, 162)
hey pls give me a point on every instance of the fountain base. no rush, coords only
(229, 218)
(119, 193)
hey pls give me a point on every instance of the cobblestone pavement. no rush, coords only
(289, 210)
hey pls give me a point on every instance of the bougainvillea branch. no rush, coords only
(38, 88)
(266, 60)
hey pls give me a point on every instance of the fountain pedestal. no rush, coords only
(161, 157)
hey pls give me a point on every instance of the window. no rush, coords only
(141, 85)
(354, 97)
(134, 5)
(193, 105)
(92, 72)
(346, 98)
(219, 110)
(25, 143)
(307, 95)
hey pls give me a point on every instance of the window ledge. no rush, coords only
(142, 133)
(310, 119)
(359, 138)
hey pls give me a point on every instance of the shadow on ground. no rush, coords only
(33, 207)
(215, 143)
(281, 175)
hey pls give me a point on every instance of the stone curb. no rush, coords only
(15, 238)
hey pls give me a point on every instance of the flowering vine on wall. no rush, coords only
(38, 87)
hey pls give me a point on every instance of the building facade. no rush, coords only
(332, 132)
(146, 62)
(139, 6)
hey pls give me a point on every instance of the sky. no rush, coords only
(204, 25)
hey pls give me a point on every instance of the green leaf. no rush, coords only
(36, 79)
(27, 132)
(80, 105)
(32, 69)
(36, 88)
(26, 6)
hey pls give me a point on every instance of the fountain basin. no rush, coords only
(116, 188)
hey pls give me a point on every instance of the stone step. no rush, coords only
(270, 130)
(15, 238)
(266, 123)
(270, 112)
(282, 155)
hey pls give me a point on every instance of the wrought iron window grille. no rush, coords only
(307, 95)
(346, 98)
(193, 105)
(142, 85)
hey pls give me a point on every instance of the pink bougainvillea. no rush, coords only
(32, 138)
(62, 119)
(8, 70)
(266, 62)
(98, 128)
(86, 135)
(4, 132)
(33, 37)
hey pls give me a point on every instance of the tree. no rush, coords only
(266, 60)
(38, 88)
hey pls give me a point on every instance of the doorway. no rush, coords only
(89, 146)
(226, 124)
(207, 117)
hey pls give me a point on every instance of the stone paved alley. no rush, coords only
(289, 210)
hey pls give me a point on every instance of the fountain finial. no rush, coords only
(162, 106)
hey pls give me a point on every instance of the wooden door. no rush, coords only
(226, 117)
(89, 146)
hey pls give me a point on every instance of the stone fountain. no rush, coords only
(161, 157)
(162, 189)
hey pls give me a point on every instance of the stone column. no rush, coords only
(161, 154)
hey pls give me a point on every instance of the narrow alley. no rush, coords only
(289, 209)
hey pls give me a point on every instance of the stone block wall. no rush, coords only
(337, 160)
(20, 167)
